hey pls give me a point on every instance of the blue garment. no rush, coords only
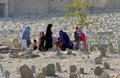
(26, 35)
(65, 39)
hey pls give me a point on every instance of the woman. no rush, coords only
(26, 42)
(65, 39)
(48, 36)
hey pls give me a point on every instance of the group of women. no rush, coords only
(45, 41)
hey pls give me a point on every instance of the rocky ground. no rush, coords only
(107, 23)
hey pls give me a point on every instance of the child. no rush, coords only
(41, 41)
(35, 44)
(60, 44)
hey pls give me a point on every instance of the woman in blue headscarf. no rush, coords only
(65, 39)
(26, 36)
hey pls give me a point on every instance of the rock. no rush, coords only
(33, 68)
(1, 57)
(98, 60)
(111, 48)
(88, 56)
(83, 57)
(4, 48)
(81, 70)
(41, 75)
(26, 72)
(50, 70)
(103, 52)
(1, 68)
(98, 71)
(7, 74)
(44, 70)
(105, 75)
(115, 76)
(4, 51)
(106, 65)
(73, 75)
(69, 52)
(73, 69)
(15, 43)
(58, 67)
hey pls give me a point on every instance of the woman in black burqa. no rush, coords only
(48, 36)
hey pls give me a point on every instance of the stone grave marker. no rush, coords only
(106, 65)
(1, 68)
(105, 75)
(58, 67)
(33, 68)
(98, 60)
(98, 71)
(7, 74)
(50, 70)
(26, 72)
(73, 69)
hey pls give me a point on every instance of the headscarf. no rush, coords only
(65, 39)
(26, 33)
(48, 34)
(48, 31)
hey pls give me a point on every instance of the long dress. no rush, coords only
(65, 39)
(26, 37)
(48, 39)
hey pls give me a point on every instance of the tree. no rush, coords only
(78, 8)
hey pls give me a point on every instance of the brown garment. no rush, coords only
(41, 41)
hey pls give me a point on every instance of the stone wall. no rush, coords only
(33, 7)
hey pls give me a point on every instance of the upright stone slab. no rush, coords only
(103, 52)
(73, 69)
(50, 70)
(7, 74)
(111, 48)
(105, 75)
(41, 75)
(26, 72)
(106, 65)
(58, 67)
(98, 71)
(15, 43)
(1, 68)
(33, 68)
(81, 70)
(73, 75)
(98, 60)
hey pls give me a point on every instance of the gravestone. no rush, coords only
(73, 75)
(106, 65)
(98, 71)
(15, 43)
(98, 60)
(1, 68)
(50, 70)
(105, 75)
(73, 69)
(7, 74)
(111, 47)
(1, 57)
(58, 67)
(44, 70)
(41, 75)
(81, 70)
(26, 72)
(103, 52)
(33, 68)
